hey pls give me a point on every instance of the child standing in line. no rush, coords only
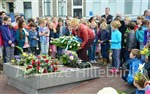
(1, 47)
(44, 36)
(140, 37)
(104, 40)
(8, 34)
(20, 35)
(60, 32)
(33, 38)
(53, 49)
(115, 45)
(131, 40)
(147, 35)
(92, 49)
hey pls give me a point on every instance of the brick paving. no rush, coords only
(86, 87)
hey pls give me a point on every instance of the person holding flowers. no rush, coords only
(141, 83)
(86, 34)
(133, 66)
(53, 32)
(60, 32)
(20, 35)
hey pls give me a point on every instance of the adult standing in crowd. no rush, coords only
(107, 15)
(147, 14)
(86, 34)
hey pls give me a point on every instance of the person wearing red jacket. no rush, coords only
(86, 34)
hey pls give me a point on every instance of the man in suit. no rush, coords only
(107, 16)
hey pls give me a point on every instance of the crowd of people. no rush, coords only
(100, 35)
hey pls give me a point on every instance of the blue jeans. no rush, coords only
(9, 53)
(141, 48)
(92, 52)
(44, 48)
(104, 51)
(116, 58)
(59, 51)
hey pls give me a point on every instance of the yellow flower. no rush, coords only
(142, 52)
(145, 50)
(136, 78)
(24, 54)
(12, 61)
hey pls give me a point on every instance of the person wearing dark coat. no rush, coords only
(107, 16)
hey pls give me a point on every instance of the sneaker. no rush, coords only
(91, 61)
(95, 61)
(112, 70)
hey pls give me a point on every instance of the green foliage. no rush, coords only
(67, 42)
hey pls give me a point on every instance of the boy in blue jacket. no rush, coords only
(132, 66)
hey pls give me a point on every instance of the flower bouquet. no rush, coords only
(35, 64)
(71, 59)
(41, 64)
(145, 51)
(67, 42)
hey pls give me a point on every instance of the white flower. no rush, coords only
(141, 67)
(70, 46)
(51, 41)
(71, 57)
(78, 45)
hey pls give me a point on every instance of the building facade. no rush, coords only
(73, 8)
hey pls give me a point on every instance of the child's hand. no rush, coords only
(147, 83)
(101, 42)
(12, 45)
(37, 39)
(10, 42)
(80, 48)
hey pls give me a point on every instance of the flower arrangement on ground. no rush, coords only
(70, 59)
(35, 64)
(67, 42)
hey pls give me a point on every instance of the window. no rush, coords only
(27, 10)
(77, 2)
(62, 7)
(128, 6)
(148, 4)
(112, 6)
(47, 7)
(96, 7)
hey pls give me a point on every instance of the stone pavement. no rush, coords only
(86, 87)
